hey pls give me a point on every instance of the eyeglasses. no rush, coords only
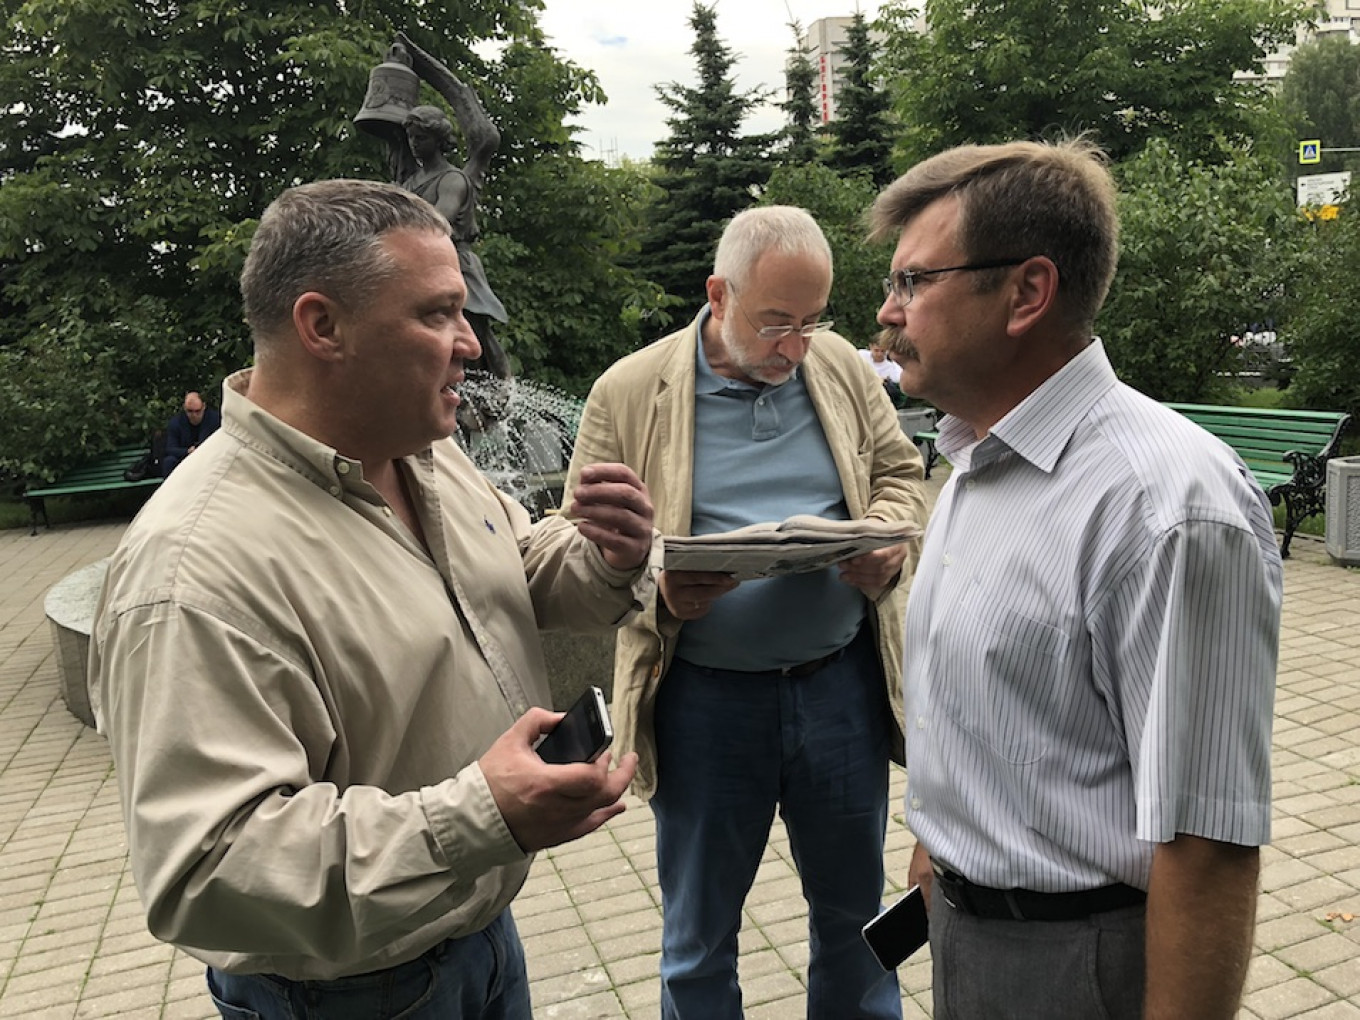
(901, 283)
(780, 332)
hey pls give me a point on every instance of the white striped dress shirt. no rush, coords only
(1091, 641)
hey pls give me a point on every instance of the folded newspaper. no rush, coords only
(794, 546)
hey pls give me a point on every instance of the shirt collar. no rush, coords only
(1040, 426)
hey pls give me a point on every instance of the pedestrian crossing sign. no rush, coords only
(1310, 151)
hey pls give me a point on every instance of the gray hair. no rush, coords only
(785, 229)
(1019, 200)
(326, 237)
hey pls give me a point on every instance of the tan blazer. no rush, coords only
(641, 412)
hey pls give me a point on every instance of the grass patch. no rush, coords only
(1315, 525)
(1260, 396)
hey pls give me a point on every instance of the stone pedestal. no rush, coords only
(70, 607)
(575, 661)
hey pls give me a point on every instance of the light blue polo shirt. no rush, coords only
(760, 455)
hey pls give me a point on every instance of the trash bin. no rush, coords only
(916, 419)
(1343, 510)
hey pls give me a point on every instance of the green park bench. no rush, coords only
(926, 441)
(103, 474)
(1287, 452)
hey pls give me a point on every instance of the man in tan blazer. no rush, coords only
(781, 692)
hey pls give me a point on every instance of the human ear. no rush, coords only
(716, 289)
(316, 320)
(1034, 293)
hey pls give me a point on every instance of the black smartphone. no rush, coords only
(583, 734)
(899, 931)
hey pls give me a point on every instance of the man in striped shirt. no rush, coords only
(1092, 634)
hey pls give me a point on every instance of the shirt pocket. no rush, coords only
(1003, 677)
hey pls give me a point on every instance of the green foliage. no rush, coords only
(559, 230)
(559, 251)
(65, 387)
(1321, 97)
(1205, 251)
(861, 138)
(1325, 340)
(1128, 70)
(709, 171)
(838, 204)
(140, 139)
(800, 144)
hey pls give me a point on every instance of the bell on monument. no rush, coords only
(393, 88)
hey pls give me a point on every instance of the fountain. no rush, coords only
(519, 433)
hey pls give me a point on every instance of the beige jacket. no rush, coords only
(641, 412)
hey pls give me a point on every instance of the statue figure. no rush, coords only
(417, 138)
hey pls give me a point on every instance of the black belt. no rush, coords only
(1027, 905)
(802, 669)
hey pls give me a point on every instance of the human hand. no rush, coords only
(611, 507)
(872, 572)
(544, 805)
(690, 594)
(921, 872)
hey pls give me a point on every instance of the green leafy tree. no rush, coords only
(140, 139)
(561, 231)
(709, 170)
(1206, 250)
(1128, 70)
(1324, 340)
(838, 204)
(800, 144)
(1321, 96)
(861, 136)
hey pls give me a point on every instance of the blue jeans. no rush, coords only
(477, 977)
(730, 747)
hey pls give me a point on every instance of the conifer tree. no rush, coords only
(800, 104)
(861, 133)
(709, 171)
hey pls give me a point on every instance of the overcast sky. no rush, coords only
(633, 45)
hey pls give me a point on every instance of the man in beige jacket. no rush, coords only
(775, 693)
(316, 657)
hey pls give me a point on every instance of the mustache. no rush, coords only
(894, 340)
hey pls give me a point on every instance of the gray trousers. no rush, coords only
(984, 969)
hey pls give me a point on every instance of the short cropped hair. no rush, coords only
(1019, 200)
(785, 229)
(432, 119)
(326, 237)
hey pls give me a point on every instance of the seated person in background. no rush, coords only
(187, 430)
(887, 370)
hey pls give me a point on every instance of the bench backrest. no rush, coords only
(95, 476)
(1262, 436)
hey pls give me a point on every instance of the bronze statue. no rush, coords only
(417, 138)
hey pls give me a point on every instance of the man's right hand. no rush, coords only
(921, 872)
(544, 805)
(690, 594)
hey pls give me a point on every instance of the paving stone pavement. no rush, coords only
(73, 943)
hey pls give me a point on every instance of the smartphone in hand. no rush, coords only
(899, 931)
(583, 734)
